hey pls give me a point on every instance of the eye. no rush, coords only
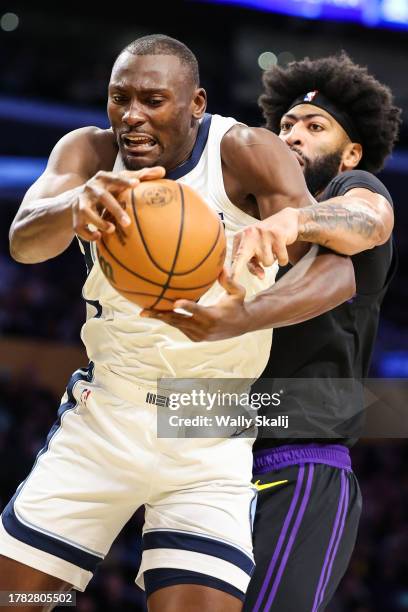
(118, 99)
(285, 126)
(315, 127)
(155, 101)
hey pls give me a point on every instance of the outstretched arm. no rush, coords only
(348, 224)
(319, 282)
(257, 163)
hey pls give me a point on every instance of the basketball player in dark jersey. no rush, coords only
(309, 501)
(341, 124)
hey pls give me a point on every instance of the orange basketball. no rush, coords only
(174, 247)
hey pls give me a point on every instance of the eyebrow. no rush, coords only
(310, 116)
(143, 89)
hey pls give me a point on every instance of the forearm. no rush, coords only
(317, 284)
(44, 229)
(346, 225)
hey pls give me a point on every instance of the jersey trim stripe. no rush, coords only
(210, 565)
(87, 252)
(47, 542)
(337, 533)
(192, 161)
(198, 544)
(299, 502)
(159, 578)
(292, 537)
(199, 535)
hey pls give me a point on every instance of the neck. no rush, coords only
(185, 156)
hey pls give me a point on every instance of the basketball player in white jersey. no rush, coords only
(102, 458)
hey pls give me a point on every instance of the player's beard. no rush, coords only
(320, 171)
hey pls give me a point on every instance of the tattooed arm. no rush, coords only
(347, 224)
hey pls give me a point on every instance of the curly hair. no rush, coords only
(368, 102)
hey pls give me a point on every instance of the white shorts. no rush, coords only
(101, 461)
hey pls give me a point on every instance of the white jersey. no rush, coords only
(142, 350)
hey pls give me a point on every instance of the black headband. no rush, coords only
(318, 99)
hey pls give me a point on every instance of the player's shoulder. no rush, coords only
(356, 175)
(90, 138)
(90, 147)
(354, 179)
(242, 134)
(103, 144)
(237, 143)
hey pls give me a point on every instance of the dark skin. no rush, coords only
(158, 105)
(349, 224)
(153, 104)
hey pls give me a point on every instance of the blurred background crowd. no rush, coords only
(54, 70)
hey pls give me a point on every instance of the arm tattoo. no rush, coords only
(321, 222)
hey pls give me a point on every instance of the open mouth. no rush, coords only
(137, 144)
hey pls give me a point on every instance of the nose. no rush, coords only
(295, 136)
(133, 115)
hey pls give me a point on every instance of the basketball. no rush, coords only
(173, 248)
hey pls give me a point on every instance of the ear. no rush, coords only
(199, 103)
(351, 156)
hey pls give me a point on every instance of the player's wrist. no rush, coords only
(303, 217)
(291, 224)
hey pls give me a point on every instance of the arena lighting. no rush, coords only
(9, 22)
(26, 110)
(394, 364)
(266, 60)
(17, 174)
(370, 13)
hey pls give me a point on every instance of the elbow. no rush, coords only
(13, 245)
(385, 223)
(17, 250)
(382, 227)
(377, 231)
(378, 235)
(16, 253)
(384, 230)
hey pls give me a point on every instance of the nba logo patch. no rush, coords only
(309, 97)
